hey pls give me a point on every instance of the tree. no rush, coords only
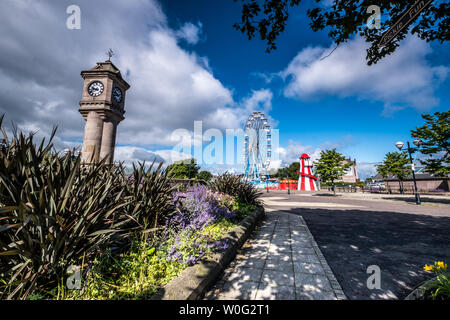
(289, 172)
(182, 170)
(395, 164)
(368, 180)
(435, 136)
(331, 166)
(280, 173)
(343, 19)
(204, 175)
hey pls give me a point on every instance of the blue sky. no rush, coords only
(185, 62)
(358, 127)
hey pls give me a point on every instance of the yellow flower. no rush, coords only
(441, 265)
(428, 268)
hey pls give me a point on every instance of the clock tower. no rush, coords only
(102, 107)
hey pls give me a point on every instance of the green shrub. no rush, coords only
(233, 185)
(243, 209)
(55, 211)
(151, 193)
(135, 274)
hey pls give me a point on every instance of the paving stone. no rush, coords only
(309, 258)
(267, 236)
(312, 282)
(267, 227)
(245, 274)
(302, 294)
(298, 221)
(311, 268)
(297, 250)
(281, 242)
(281, 261)
(299, 234)
(265, 230)
(282, 228)
(301, 243)
(340, 295)
(259, 242)
(270, 292)
(283, 223)
(295, 234)
(282, 265)
(275, 277)
(281, 236)
(250, 263)
(275, 258)
(260, 246)
(238, 289)
(259, 253)
(274, 248)
(280, 255)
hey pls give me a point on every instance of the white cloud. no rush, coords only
(366, 169)
(41, 63)
(403, 79)
(132, 154)
(343, 143)
(190, 32)
(293, 151)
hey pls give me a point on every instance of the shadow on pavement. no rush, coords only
(423, 199)
(399, 243)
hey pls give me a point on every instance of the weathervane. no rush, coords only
(110, 54)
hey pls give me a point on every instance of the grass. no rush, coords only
(136, 274)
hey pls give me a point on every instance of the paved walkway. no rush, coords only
(281, 261)
(354, 233)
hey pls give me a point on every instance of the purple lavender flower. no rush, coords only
(197, 208)
(177, 256)
(221, 245)
(190, 261)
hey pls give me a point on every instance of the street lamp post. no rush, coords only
(417, 143)
(287, 179)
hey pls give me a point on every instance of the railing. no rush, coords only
(388, 190)
(344, 188)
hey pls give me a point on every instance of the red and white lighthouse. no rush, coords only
(306, 181)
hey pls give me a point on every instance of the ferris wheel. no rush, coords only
(257, 147)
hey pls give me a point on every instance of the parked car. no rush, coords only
(376, 186)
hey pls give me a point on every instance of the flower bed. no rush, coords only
(192, 233)
(437, 288)
(128, 231)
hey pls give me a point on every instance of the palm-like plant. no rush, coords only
(151, 191)
(234, 185)
(55, 210)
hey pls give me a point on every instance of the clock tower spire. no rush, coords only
(102, 107)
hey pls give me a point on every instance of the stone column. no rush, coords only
(108, 140)
(92, 138)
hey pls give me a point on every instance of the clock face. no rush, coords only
(96, 88)
(117, 95)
